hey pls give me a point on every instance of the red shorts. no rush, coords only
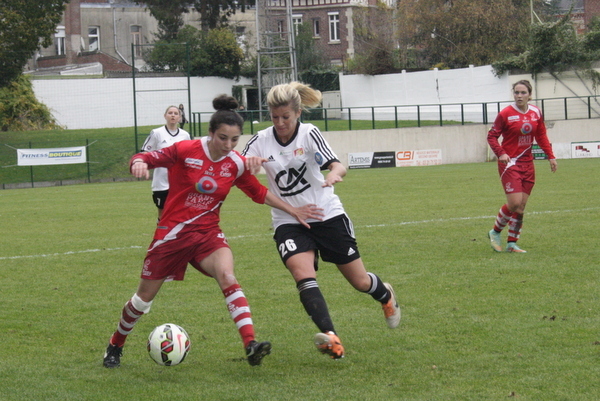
(517, 178)
(168, 260)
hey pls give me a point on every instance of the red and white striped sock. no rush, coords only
(134, 309)
(514, 227)
(238, 307)
(502, 219)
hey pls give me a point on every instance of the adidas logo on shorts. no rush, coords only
(351, 252)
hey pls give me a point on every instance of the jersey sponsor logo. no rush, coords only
(513, 118)
(525, 140)
(199, 201)
(206, 185)
(225, 170)
(526, 129)
(193, 163)
(292, 182)
(210, 171)
(319, 158)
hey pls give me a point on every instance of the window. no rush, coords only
(59, 40)
(296, 21)
(136, 39)
(334, 26)
(316, 28)
(94, 38)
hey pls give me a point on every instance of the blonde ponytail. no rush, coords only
(297, 95)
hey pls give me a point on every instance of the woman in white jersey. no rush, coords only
(160, 138)
(293, 155)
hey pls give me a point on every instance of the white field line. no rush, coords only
(45, 255)
(402, 223)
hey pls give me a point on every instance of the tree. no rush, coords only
(554, 48)
(375, 44)
(457, 33)
(25, 28)
(313, 67)
(169, 15)
(212, 53)
(20, 110)
(308, 56)
(222, 55)
(213, 13)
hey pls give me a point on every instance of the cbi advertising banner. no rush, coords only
(425, 157)
(41, 157)
(371, 159)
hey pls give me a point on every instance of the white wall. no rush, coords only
(464, 85)
(475, 85)
(103, 103)
(108, 102)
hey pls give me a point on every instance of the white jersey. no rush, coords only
(294, 170)
(160, 138)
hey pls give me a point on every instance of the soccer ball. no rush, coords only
(168, 344)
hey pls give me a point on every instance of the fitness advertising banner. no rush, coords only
(41, 157)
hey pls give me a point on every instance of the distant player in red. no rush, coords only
(519, 125)
(201, 174)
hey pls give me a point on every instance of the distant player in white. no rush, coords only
(293, 155)
(160, 138)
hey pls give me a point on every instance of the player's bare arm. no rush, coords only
(336, 174)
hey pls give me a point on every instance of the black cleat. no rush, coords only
(112, 356)
(257, 351)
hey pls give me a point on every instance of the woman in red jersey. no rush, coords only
(201, 174)
(519, 125)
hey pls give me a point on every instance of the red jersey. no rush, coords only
(518, 130)
(198, 185)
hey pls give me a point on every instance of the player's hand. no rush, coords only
(504, 159)
(553, 165)
(254, 163)
(331, 179)
(310, 211)
(139, 169)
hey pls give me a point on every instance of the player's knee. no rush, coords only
(139, 304)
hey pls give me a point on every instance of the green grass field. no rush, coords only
(477, 325)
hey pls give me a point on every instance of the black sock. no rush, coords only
(378, 290)
(314, 304)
